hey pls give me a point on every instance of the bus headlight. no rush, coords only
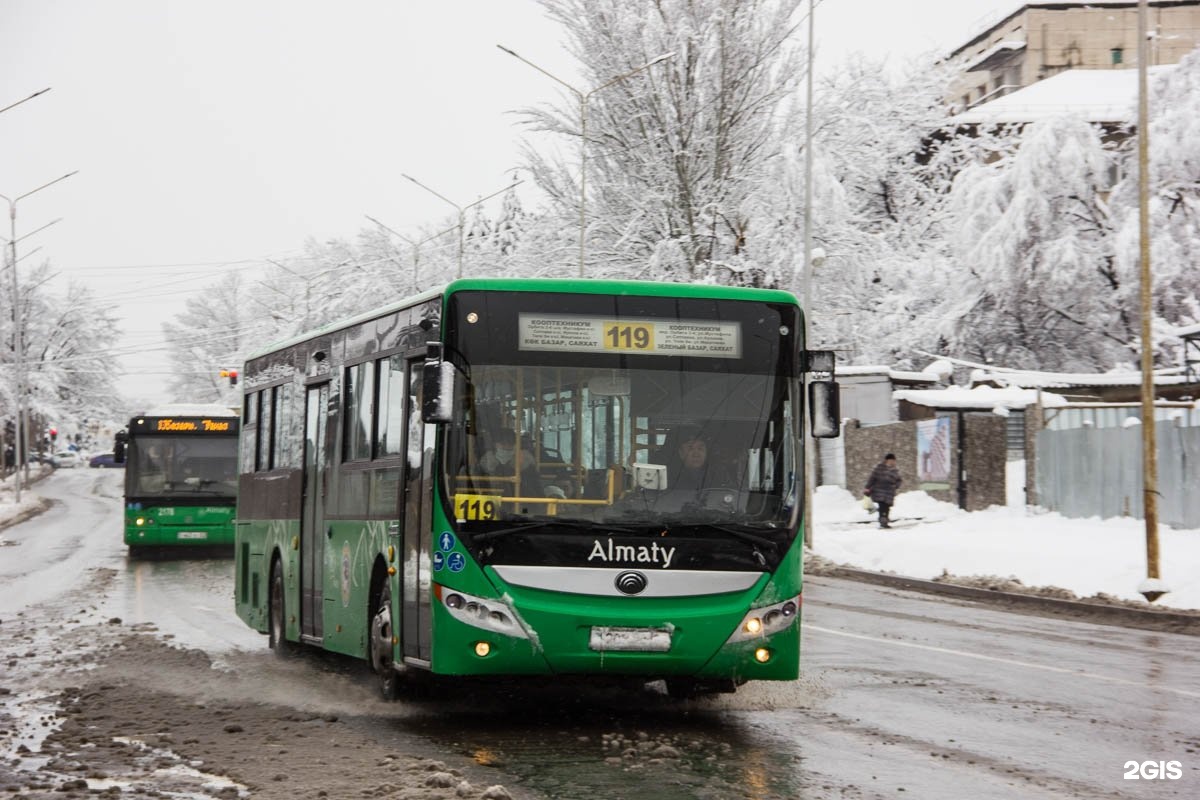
(490, 615)
(760, 622)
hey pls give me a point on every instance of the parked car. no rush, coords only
(103, 461)
(64, 459)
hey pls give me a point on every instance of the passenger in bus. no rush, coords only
(503, 460)
(152, 472)
(689, 466)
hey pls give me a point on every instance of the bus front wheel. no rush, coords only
(381, 643)
(277, 613)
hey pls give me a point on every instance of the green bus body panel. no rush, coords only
(255, 545)
(181, 525)
(352, 550)
(560, 623)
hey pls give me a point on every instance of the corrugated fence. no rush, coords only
(1092, 471)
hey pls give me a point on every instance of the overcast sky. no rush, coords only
(211, 134)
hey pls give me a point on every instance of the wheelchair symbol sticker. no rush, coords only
(456, 562)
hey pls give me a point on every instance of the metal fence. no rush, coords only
(1093, 471)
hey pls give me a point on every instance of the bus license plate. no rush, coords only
(637, 640)
(193, 535)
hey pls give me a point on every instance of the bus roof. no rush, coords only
(189, 410)
(572, 286)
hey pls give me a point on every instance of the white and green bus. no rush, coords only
(500, 477)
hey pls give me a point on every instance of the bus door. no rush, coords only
(312, 515)
(416, 513)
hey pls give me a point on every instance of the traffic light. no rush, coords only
(53, 434)
(231, 374)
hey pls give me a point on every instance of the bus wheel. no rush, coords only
(381, 643)
(277, 613)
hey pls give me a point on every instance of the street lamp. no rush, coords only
(462, 210)
(416, 247)
(18, 334)
(583, 101)
(306, 323)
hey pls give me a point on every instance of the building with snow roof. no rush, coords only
(1118, 386)
(1040, 40)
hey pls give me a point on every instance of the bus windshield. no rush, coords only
(172, 466)
(646, 417)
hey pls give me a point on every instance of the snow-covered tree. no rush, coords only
(1174, 194)
(67, 348)
(883, 165)
(1033, 283)
(215, 331)
(675, 152)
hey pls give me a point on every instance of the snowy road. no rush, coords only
(902, 695)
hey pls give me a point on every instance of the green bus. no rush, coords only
(180, 476)
(499, 477)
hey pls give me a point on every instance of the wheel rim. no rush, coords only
(381, 636)
(277, 609)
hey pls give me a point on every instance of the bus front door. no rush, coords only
(416, 512)
(312, 517)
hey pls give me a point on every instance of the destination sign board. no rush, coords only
(184, 425)
(658, 337)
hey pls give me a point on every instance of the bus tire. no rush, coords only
(379, 638)
(277, 613)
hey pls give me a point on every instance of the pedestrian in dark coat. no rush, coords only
(882, 485)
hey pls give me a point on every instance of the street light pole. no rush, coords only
(583, 101)
(22, 443)
(462, 210)
(416, 247)
(806, 280)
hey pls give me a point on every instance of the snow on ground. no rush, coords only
(9, 508)
(1085, 556)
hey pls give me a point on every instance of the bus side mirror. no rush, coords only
(824, 409)
(437, 390)
(119, 447)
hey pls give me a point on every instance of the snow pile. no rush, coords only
(1085, 556)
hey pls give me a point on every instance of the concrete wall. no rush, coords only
(985, 457)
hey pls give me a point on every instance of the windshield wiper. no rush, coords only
(744, 536)
(571, 525)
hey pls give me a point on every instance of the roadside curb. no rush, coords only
(1182, 622)
(29, 513)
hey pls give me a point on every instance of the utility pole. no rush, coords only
(1152, 588)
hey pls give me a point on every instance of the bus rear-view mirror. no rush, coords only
(824, 409)
(438, 392)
